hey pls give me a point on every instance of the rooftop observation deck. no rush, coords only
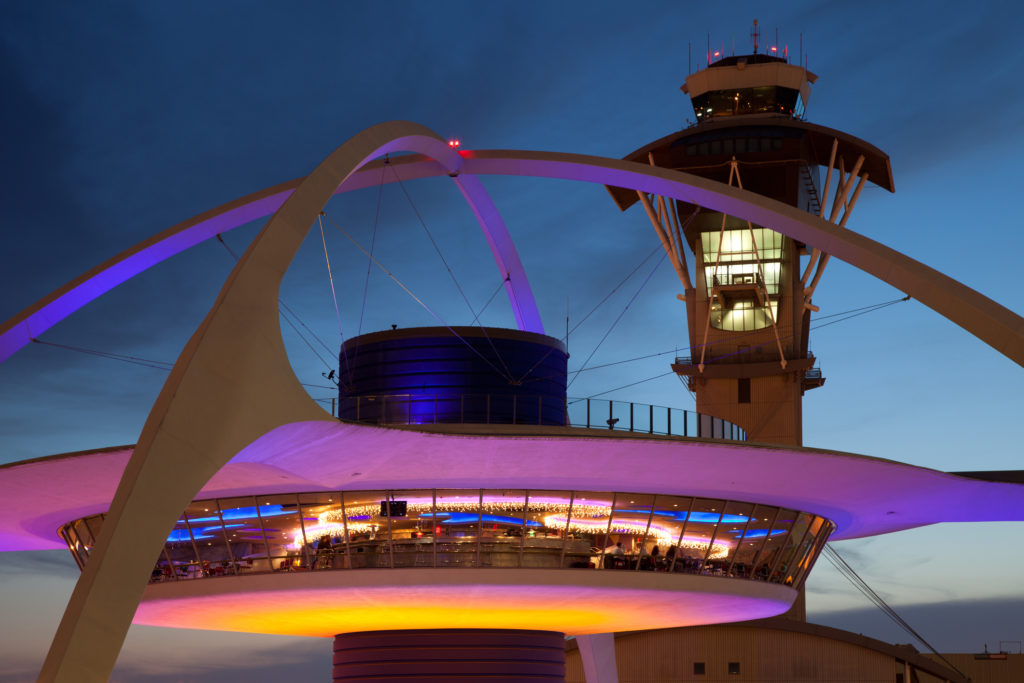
(583, 413)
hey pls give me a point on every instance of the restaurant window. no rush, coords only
(698, 668)
(734, 668)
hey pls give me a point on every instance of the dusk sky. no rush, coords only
(122, 121)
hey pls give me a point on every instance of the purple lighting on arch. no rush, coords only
(999, 327)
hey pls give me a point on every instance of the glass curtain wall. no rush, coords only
(486, 528)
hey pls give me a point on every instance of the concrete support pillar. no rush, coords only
(442, 655)
(597, 652)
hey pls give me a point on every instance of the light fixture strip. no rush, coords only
(344, 524)
(522, 535)
(433, 523)
(608, 531)
(764, 543)
(302, 526)
(778, 555)
(388, 500)
(565, 533)
(796, 548)
(682, 532)
(647, 530)
(224, 531)
(711, 541)
(479, 526)
(739, 543)
(195, 548)
(263, 531)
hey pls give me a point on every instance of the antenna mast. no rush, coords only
(754, 35)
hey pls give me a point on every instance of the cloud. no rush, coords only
(160, 655)
(957, 626)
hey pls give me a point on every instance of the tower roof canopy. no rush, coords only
(876, 162)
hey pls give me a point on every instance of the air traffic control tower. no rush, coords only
(749, 299)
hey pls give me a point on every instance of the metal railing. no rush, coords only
(524, 409)
(649, 419)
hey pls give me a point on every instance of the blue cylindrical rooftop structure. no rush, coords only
(460, 374)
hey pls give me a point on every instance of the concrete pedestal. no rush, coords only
(498, 655)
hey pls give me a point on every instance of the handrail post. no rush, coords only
(515, 405)
(650, 419)
(630, 416)
(540, 407)
(588, 413)
(488, 409)
(668, 414)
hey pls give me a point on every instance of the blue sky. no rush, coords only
(122, 121)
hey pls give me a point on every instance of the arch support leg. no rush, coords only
(231, 385)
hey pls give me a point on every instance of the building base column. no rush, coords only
(597, 651)
(449, 654)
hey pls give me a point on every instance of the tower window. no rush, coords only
(743, 390)
(698, 668)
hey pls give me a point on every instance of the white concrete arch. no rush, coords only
(33, 321)
(231, 384)
(992, 323)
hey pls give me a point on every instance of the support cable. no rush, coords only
(508, 373)
(853, 313)
(624, 386)
(373, 243)
(334, 294)
(134, 360)
(592, 311)
(616, 322)
(501, 285)
(408, 291)
(815, 327)
(861, 585)
(294, 315)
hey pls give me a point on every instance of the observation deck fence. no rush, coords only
(522, 409)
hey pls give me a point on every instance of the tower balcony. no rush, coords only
(740, 287)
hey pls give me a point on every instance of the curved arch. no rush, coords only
(19, 330)
(992, 323)
(231, 384)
